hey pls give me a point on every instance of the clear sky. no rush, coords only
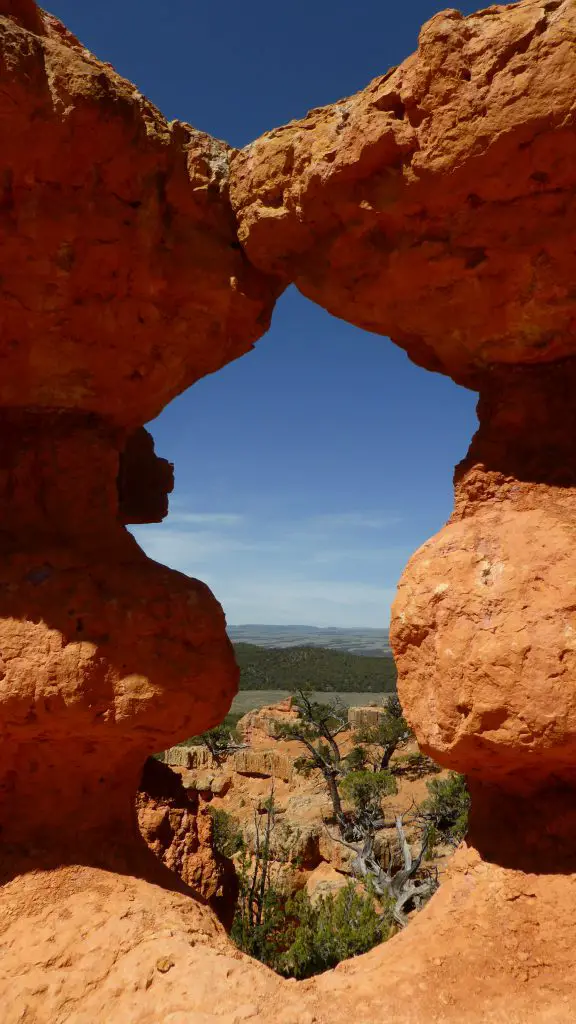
(308, 471)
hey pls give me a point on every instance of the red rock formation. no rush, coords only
(177, 826)
(144, 481)
(435, 206)
(122, 282)
(485, 625)
(260, 725)
(105, 654)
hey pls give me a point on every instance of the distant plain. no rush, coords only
(247, 700)
(356, 641)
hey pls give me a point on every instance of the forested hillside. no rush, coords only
(284, 668)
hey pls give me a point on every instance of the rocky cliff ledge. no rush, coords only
(437, 207)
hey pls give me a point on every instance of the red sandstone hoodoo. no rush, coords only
(437, 207)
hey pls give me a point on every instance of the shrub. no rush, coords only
(334, 929)
(226, 837)
(357, 759)
(218, 740)
(414, 766)
(260, 926)
(366, 789)
(446, 809)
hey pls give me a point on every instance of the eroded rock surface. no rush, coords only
(177, 826)
(485, 623)
(104, 652)
(122, 282)
(436, 206)
(122, 278)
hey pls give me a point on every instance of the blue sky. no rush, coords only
(308, 471)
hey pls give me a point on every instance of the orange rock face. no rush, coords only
(178, 827)
(123, 281)
(105, 654)
(484, 623)
(436, 206)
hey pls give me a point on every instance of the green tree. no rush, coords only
(317, 729)
(378, 742)
(415, 766)
(447, 807)
(357, 759)
(404, 881)
(366, 790)
(226, 835)
(219, 741)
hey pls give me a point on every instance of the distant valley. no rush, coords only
(372, 642)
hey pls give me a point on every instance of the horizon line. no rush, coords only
(298, 625)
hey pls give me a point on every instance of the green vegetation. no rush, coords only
(362, 776)
(395, 875)
(446, 809)
(306, 668)
(260, 927)
(366, 789)
(219, 740)
(377, 743)
(226, 837)
(333, 929)
(415, 766)
(292, 935)
(315, 668)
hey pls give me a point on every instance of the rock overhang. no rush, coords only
(436, 206)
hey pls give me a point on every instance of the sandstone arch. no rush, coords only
(436, 206)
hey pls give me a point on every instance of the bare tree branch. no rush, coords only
(399, 885)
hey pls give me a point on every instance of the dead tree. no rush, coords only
(260, 925)
(262, 853)
(398, 882)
